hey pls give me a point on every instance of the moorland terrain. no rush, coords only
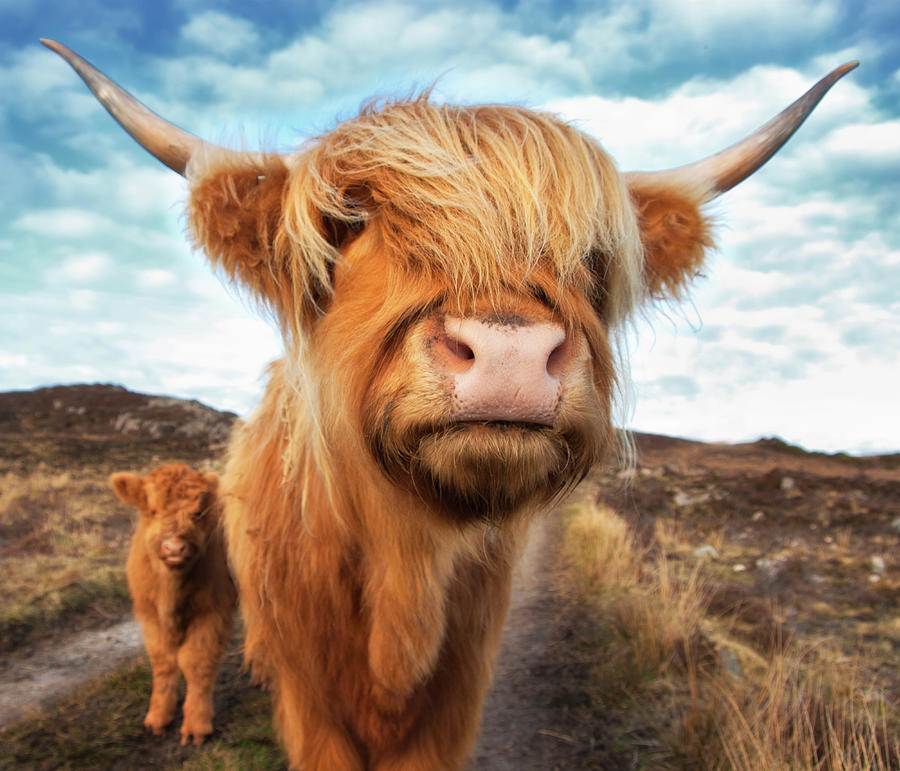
(782, 549)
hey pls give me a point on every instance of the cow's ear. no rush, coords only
(675, 234)
(234, 215)
(270, 230)
(129, 487)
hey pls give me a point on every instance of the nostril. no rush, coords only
(459, 349)
(452, 354)
(558, 359)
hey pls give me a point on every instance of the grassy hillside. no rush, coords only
(737, 605)
(746, 604)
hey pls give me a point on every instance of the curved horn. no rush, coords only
(170, 144)
(724, 170)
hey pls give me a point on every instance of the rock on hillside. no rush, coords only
(89, 424)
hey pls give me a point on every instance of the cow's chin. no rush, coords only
(490, 470)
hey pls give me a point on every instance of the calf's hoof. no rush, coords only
(156, 724)
(196, 730)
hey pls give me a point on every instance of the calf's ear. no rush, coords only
(129, 487)
(675, 235)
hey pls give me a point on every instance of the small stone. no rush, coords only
(877, 564)
(706, 552)
(730, 662)
(758, 515)
(682, 499)
(787, 484)
(768, 566)
(739, 568)
(896, 524)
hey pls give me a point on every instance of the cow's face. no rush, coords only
(464, 333)
(447, 278)
(178, 513)
(479, 405)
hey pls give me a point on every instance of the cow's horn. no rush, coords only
(170, 144)
(724, 170)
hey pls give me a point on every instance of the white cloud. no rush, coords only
(220, 33)
(84, 300)
(13, 361)
(874, 142)
(153, 279)
(63, 223)
(699, 20)
(85, 267)
(703, 116)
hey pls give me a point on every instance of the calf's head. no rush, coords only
(178, 512)
(448, 279)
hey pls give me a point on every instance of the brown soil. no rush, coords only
(798, 544)
(53, 670)
(539, 715)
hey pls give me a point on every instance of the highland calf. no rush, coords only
(448, 281)
(182, 592)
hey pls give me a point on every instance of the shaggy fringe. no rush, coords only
(523, 190)
(519, 187)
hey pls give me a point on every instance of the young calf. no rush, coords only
(182, 592)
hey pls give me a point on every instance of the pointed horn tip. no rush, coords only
(65, 52)
(54, 46)
(839, 72)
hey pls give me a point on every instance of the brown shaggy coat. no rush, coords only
(449, 282)
(182, 592)
(372, 536)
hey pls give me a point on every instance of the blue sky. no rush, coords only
(794, 332)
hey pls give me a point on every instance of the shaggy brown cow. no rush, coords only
(182, 592)
(448, 281)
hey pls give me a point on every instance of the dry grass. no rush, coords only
(690, 694)
(62, 549)
(98, 728)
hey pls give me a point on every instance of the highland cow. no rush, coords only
(449, 281)
(182, 592)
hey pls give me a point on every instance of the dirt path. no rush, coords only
(536, 717)
(53, 670)
(533, 719)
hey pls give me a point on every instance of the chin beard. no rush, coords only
(488, 471)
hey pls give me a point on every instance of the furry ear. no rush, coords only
(129, 487)
(268, 232)
(234, 215)
(675, 234)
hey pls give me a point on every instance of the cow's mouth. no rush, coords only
(486, 470)
(176, 563)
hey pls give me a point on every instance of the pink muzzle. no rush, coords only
(503, 369)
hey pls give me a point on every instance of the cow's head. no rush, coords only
(178, 512)
(447, 279)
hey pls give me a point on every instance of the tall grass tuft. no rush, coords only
(689, 695)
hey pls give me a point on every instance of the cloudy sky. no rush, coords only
(795, 332)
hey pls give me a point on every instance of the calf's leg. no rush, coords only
(164, 665)
(199, 658)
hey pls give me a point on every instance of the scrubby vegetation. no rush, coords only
(741, 602)
(690, 690)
